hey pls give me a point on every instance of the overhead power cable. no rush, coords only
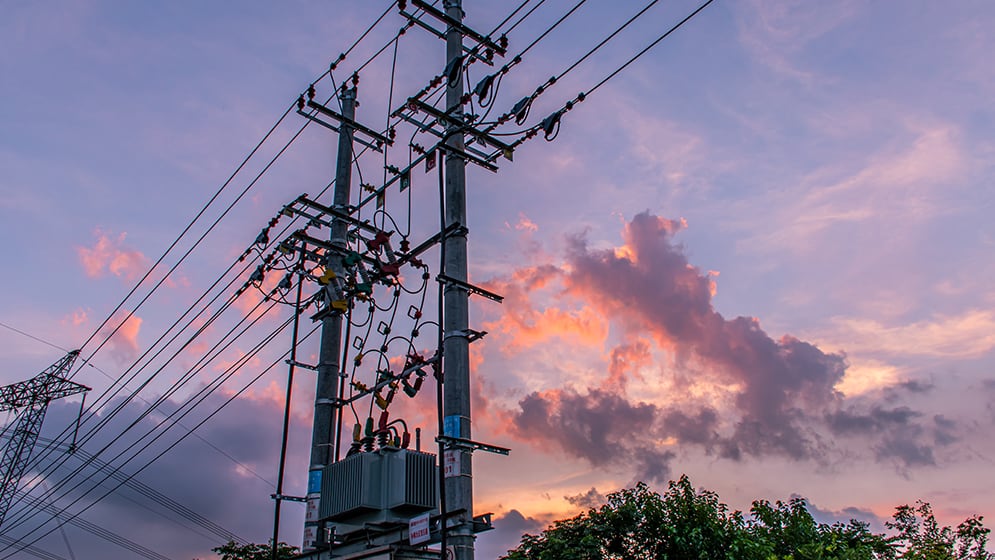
(648, 47)
(29, 549)
(183, 512)
(166, 450)
(206, 391)
(179, 414)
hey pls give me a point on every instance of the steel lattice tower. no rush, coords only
(31, 397)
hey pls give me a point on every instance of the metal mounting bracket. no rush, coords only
(469, 287)
(470, 445)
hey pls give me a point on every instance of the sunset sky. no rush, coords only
(761, 255)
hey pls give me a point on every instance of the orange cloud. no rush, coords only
(110, 254)
(526, 326)
(123, 329)
(625, 361)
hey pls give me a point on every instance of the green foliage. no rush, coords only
(235, 551)
(688, 524)
(921, 537)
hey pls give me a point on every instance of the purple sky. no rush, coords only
(761, 255)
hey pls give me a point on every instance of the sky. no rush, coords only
(759, 256)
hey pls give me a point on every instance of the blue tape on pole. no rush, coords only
(451, 425)
(314, 482)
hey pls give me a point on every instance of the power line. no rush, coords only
(650, 46)
(171, 446)
(87, 437)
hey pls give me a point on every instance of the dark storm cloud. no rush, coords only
(699, 428)
(848, 422)
(600, 426)
(845, 515)
(785, 401)
(915, 386)
(653, 286)
(590, 499)
(906, 449)
(944, 430)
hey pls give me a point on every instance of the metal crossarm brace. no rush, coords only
(371, 145)
(464, 30)
(469, 287)
(287, 498)
(376, 136)
(463, 443)
(453, 229)
(466, 155)
(445, 119)
(301, 365)
(328, 246)
(334, 212)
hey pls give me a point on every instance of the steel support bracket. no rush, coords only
(470, 445)
(449, 280)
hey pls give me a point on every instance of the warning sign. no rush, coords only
(418, 530)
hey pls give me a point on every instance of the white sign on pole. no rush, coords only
(311, 511)
(451, 463)
(418, 529)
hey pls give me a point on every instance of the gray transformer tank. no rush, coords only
(382, 487)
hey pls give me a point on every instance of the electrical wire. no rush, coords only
(163, 398)
(648, 47)
(171, 446)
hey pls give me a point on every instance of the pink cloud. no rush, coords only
(109, 253)
(123, 344)
(780, 395)
(524, 325)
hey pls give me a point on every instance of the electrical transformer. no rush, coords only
(382, 487)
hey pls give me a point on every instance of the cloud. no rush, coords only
(651, 285)
(897, 185)
(969, 334)
(524, 325)
(746, 394)
(123, 329)
(625, 361)
(508, 531)
(776, 32)
(110, 254)
(845, 515)
(602, 427)
(877, 420)
(590, 499)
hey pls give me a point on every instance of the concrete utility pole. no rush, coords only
(330, 350)
(456, 348)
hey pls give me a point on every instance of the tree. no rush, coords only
(234, 551)
(685, 524)
(921, 537)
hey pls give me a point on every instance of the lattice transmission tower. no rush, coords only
(31, 398)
